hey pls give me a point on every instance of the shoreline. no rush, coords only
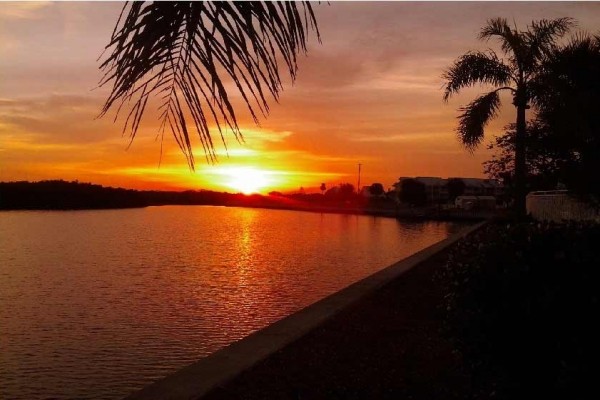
(405, 213)
(74, 196)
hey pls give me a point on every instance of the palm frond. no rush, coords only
(475, 116)
(545, 32)
(496, 27)
(542, 35)
(511, 42)
(190, 54)
(473, 68)
(573, 65)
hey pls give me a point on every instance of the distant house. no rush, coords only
(482, 187)
(436, 188)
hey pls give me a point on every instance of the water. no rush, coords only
(97, 304)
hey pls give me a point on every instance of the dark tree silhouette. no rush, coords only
(456, 187)
(376, 189)
(563, 142)
(185, 54)
(546, 157)
(346, 190)
(567, 95)
(413, 192)
(526, 52)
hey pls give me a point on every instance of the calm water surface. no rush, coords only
(97, 304)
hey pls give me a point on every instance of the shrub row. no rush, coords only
(521, 304)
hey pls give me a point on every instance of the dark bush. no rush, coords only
(521, 305)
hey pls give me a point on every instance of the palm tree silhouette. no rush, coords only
(526, 52)
(189, 55)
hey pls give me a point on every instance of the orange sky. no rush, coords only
(370, 93)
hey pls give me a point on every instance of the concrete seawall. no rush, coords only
(199, 378)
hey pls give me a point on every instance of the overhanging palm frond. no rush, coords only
(475, 116)
(473, 68)
(187, 54)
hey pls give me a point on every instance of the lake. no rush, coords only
(97, 304)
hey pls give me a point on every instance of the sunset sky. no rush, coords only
(371, 93)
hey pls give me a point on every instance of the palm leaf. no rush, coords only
(475, 116)
(188, 55)
(511, 42)
(569, 70)
(542, 34)
(473, 68)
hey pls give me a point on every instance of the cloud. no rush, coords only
(419, 137)
(56, 118)
(23, 10)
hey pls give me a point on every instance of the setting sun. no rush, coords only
(246, 179)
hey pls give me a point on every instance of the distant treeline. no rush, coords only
(63, 195)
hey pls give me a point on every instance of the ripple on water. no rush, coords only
(97, 304)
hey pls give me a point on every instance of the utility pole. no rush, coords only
(358, 185)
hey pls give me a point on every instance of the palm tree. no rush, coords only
(191, 56)
(525, 52)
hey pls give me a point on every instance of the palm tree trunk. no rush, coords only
(520, 166)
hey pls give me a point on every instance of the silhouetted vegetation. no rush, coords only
(346, 191)
(563, 142)
(376, 189)
(456, 187)
(547, 158)
(62, 195)
(521, 304)
(527, 52)
(185, 53)
(568, 101)
(413, 192)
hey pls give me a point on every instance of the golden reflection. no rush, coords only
(245, 246)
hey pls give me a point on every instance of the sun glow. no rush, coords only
(247, 180)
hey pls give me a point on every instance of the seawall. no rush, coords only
(199, 378)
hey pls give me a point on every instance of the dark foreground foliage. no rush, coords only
(522, 306)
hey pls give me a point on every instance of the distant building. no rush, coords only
(482, 187)
(436, 188)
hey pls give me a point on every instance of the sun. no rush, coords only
(247, 180)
